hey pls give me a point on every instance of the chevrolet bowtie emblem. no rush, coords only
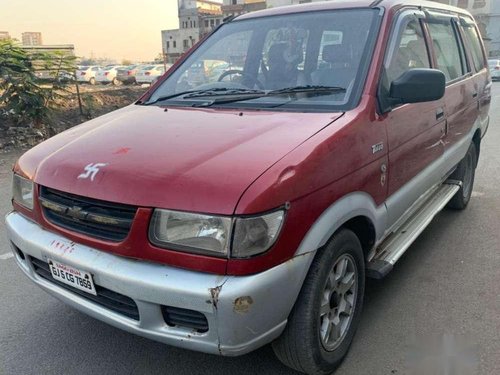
(76, 212)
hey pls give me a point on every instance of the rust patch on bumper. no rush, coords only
(214, 292)
(242, 305)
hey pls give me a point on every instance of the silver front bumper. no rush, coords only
(243, 313)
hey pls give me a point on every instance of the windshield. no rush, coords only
(326, 49)
(493, 62)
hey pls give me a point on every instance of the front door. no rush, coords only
(415, 132)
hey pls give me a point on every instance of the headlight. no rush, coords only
(22, 191)
(256, 234)
(191, 232)
(208, 234)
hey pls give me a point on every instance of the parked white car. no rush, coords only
(108, 75)
(87, 74)
(150, 73)
(494, 69)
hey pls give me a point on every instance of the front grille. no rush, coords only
(95, 218)
(177, 317)
(107, 298)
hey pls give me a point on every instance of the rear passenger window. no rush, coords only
(447, 50)
(475, 49)
(411, 52)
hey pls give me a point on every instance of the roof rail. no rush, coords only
(375, 3)
(229, 18)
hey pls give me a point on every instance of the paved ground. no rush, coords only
(447, 284)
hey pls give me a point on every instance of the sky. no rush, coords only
(116, 29)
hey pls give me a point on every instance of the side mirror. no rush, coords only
(417, 86)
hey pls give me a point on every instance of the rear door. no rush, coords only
(461, 95)
(415, 131)
(479, 66)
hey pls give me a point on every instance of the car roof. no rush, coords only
(348, 4)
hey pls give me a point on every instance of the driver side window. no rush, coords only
(411, 52)
(228, 54)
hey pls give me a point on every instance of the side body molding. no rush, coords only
(346, 208)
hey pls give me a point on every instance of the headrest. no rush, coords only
(437, 46)
(417, 47)
(280, 53)
(276, 52)
(337, 53)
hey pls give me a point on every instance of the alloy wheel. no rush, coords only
(338, 302)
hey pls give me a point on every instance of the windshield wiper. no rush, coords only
(224, 92)
(320, 89)
(230, 95)
(206, 92)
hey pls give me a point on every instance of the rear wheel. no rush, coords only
(92, 81)
(464, 173)
(115, 82)
(322, 324)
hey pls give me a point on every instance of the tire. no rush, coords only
(305, 344)
(465, 173)
(115, 82)
(92, 81)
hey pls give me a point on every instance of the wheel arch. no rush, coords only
(476, 138)
(356, 211)
(364, 229)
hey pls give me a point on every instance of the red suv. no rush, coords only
(226, 211)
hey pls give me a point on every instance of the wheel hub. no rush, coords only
(334, 300)
(338, 302)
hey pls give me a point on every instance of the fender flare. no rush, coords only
(348, 207)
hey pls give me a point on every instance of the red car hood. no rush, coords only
(185, 159)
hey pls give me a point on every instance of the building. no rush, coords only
(492, 21)
(32, 38)
(66, 49)
(237, 7)
(4, 35)
(280, 3)
(197, 18)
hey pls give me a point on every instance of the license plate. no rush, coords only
(72, 276)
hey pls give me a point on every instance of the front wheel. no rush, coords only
(464, 173)
(324, 319)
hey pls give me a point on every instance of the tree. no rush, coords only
(24, 95)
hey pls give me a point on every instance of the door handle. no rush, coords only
(439, 113)
(474, 95)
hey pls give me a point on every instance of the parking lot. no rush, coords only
(445, 287)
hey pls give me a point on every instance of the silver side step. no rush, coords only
(394, 246)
